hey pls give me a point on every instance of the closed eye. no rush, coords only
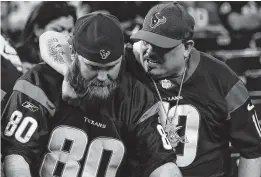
(58, 29)
(92, 67)
(110, 67)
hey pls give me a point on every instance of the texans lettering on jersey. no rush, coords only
(214, 108)
(57, 139)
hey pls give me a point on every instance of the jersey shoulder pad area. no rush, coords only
(219, 72)
(41, 83)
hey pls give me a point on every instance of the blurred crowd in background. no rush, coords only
(219, 25)
(230, 31)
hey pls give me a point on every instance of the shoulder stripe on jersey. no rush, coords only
(255, 93)
(236, 97)
(35, 93)
(150, 112)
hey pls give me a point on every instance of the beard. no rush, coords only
(90, 91)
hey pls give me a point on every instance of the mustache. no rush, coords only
(101, 92)
(153, 56)
(98, 83)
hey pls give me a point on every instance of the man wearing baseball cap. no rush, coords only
(111, 129)
(206, 105)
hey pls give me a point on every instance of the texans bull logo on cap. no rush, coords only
(156, 20)
(104, 53)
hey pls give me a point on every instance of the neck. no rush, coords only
(176, 79)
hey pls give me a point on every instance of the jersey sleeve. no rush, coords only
(245, 131)
(150, 144)
(24, 122)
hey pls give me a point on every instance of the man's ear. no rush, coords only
(188, 46)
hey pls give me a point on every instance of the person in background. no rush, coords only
(242, 20)
(129, 13)
(11, 69)
(47, 16)
(241, 17)
(13, 17)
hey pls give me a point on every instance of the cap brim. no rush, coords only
(155, 39)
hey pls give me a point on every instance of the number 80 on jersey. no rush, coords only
(22, 132)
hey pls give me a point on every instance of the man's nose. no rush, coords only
(102, 76)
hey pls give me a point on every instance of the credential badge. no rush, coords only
(166, 84)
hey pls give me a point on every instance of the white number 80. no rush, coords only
(20, 135)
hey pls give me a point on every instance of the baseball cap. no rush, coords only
(98, 37)
(166, 26)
